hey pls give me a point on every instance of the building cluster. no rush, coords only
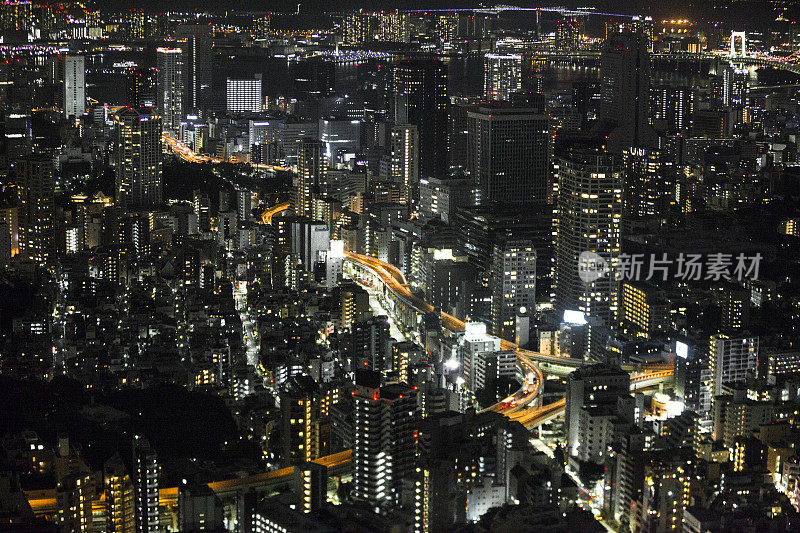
(397, 270)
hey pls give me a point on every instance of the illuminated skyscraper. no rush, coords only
(513, 285)
(371, 344)
(420, 95)
(649, 182)
(394, 27)
(731, 89)
(588, 221)
(36, 190)
(119, 497)
(141, 87)
(16, 15)
(74, 495)
(643, 310)
(405, 158)
(312, 479)
(138, 157)
(502, 76)
(355, 304)
(9, 234)
(74, 86)
(170, 87)
(244, 96)
(509, 153)
(358, 27)
(385, 438)
(310, 172)
(262, 26)
(674, 106)
(145, 482)
(569, 31)
(730, 360)
(196, 43)
(300, 421)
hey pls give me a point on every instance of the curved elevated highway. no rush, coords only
(410, 307)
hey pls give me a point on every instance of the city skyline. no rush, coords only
(400, 267)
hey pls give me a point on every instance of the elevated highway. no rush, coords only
(185, 153)
(412, 308)
(788, 64)
(44, 502)
(535, 417)
(266, 216)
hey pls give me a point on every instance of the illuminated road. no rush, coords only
(185, 153)
(514, 404)
(497, 9)
(43, 502)
(532, 418)
(266, 216)
(394, 279)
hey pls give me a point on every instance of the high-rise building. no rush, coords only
(405, 158)
(310, 241)
(311, 170)
(643, 309)
(9, 234)
(668, 479)
(371, 344)
(36, 196)
(509, 153)
(404, 354)
(569, 31)
(74, 86)
(145, 483)
(74, 495)
(141, 87)
(355, 304)
(648, 182)
(441, 197)
(170, 87)
(731, 89)
(119, 497)
(588, 222)
(513, 285)
(196, 43)
(730, 360)
(625, 93)
(312, 481)
(358, 28)
(385, 438)
(394, 27)
(300, 421)
(735, 307)
(420, 93)
(590, 386)
(737, 414)
(692, 380)
(201, 202)
(16, 15)
(340, 136)
(673, 105)
(262, 26)
(502, 76)
(138, 157)
(244, 96)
